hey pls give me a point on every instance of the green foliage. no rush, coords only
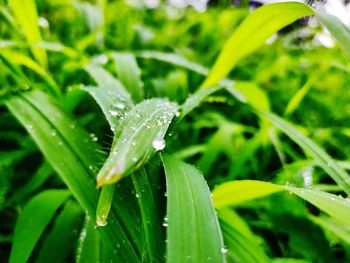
(115, 133)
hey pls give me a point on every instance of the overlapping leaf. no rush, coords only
(237, 192)
(193, 232)
(141, 136)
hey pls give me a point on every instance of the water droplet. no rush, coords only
(137, 195)
(134, 159)
(30, 127)
(53, 133)
(119, 106)
(113, 112)
(177, 114)
(223, 250)
(60, 143)
(93, 137)
(158, 144)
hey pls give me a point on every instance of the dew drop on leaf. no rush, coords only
(113, 112)
(158, 144)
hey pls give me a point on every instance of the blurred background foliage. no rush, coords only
(223, 138)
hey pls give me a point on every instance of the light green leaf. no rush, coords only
(318, 154)
(337, 29)
(105, 80)
(175, 60)
(113, 105)
(252, 34)
(339, 229)
(73, 154)
(104, 204)
(241, 248)
(17, 58)
(141, 136)
(150, 215)
(129, 74)
(237, 192)
(32, 222)
(27, 18)
(254, 95)
(88, 249)
(195, 100)
(193, 232)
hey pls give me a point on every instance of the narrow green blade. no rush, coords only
(129, 74)
(252, 34)
(149, 215)
(337, 29)
(32, 222)
(141, 136)
(73, 154)
(193, 232)
(113, 105)
(317, 153)
(88, 249)
(106, 81)
(239, 247)
(56, 246)
(175, 60)
(27, 18)
(231, 193)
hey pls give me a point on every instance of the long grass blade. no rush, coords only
(318, 154)
(26, 16)
(73, 154)
(142, 135)
(338, 30)
(150, 215)
(229, 194)
(129, 74)
(193, 232)
(252, 33)
(32, 222)
(56, 246)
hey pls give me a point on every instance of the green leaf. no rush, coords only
(252, 34)
(318, 154)
(129, 74)
(150, 215)
(337, 29)
(175, 60)
(339, 229)
(231, 193)
(88, 249)
(27, 18)
(33, 184)
(32, 222)
(104, 204)
(73, 154)
(237, 192)
(113, 105)
(299, 96)
(56, 246)
(17, 58)
(195, 100)
(193, 232)
(241, 248)
(105, 80)
(141, 136)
